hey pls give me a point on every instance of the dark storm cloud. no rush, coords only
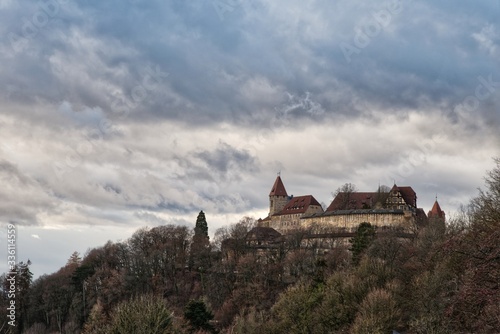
(122, 113)
(218, 165)
(98, 54)
(225, 157)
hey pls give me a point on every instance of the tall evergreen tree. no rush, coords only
(201, 227)
(363, 238)
(200, 247)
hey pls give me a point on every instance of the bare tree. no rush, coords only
(344, 194)
(383, 192)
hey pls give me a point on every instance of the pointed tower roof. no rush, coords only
(436, 211)
(278, 188)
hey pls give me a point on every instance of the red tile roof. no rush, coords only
(260, 233)
(436, 211)
(409, 195)
(278, 188)
(354, 201)
(298, 204)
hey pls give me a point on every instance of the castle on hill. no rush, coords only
(396, 209)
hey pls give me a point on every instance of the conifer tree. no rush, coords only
(201, 227)
(74, 259)
(200, 247)
(363, 238)
(199, 316)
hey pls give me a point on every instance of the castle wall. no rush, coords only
(347, 222)
(286, 223)
(350, 222)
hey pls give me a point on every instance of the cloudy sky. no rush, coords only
(122, 114)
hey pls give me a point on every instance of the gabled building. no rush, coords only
(353, 201)
(261, 236)
(403, 198)
(286, 211)
(394, 209)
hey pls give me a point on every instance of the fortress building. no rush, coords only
(286, 212)
(396, 209)
(436, 216)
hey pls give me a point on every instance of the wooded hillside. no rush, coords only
(173, 279)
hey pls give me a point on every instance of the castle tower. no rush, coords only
(437, 217)
(436, 212)
(277, 197)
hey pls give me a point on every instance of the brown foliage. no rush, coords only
(378, 313)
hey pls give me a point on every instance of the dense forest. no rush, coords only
(173, 279)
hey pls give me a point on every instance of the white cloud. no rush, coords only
(88, 141)
(488, 38)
